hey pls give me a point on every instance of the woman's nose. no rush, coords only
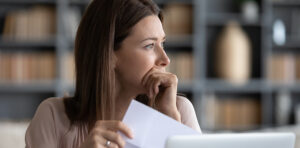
(162, 58)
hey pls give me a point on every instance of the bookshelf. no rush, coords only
(215, 15)
(202, 84)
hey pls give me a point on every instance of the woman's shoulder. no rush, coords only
(185, 106)
(46, 124)
(51, 115)
(52, 103)
(50, 126)
(54, 109)
(188, 114)
(183, 102)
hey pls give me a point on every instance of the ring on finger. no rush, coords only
(107, 144)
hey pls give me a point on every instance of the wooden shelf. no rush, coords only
(287, 4)
(179, 41)
(31, 87)
(293, 86)
(186, 85)
(26, 2)
(288, 45)
(223, 18)
(27, 44)
(217, 85)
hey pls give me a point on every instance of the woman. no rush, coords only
(119, 56)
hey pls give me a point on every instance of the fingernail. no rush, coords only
(131, 135)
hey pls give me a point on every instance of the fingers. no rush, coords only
(145, 78)
(104, 131)
(156, 88)
(148, 86)
(152, 86)
(115, 126)
(98, 141)
(112, 145)
(114, 137)
(154, 79)
(100, 138)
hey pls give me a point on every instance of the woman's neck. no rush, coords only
(123, 99)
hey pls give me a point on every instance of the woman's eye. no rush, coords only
(150, 46)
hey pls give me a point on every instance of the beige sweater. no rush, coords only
(50, 126)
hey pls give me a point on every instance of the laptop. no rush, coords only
(247, 140)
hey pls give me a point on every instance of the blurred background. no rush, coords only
(236, 60)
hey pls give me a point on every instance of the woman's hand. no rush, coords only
(161, 87)
(104, 131)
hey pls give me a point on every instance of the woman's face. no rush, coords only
(141, 51)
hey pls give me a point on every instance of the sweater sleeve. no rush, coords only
(41, 133)
(188, 115)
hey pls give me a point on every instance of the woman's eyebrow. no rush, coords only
(153, 38)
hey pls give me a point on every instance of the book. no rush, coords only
(178, 19)
(232, 113)
(281, 68)
(34, 24)
(22, 67)
(182, 65)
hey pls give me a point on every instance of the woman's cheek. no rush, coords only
(144, 63)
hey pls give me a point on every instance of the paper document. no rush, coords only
(150, 127)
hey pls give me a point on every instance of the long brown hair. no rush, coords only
(105, 24)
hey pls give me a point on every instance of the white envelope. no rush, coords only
(150, 127)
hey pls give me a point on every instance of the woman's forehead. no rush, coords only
(149, 26)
